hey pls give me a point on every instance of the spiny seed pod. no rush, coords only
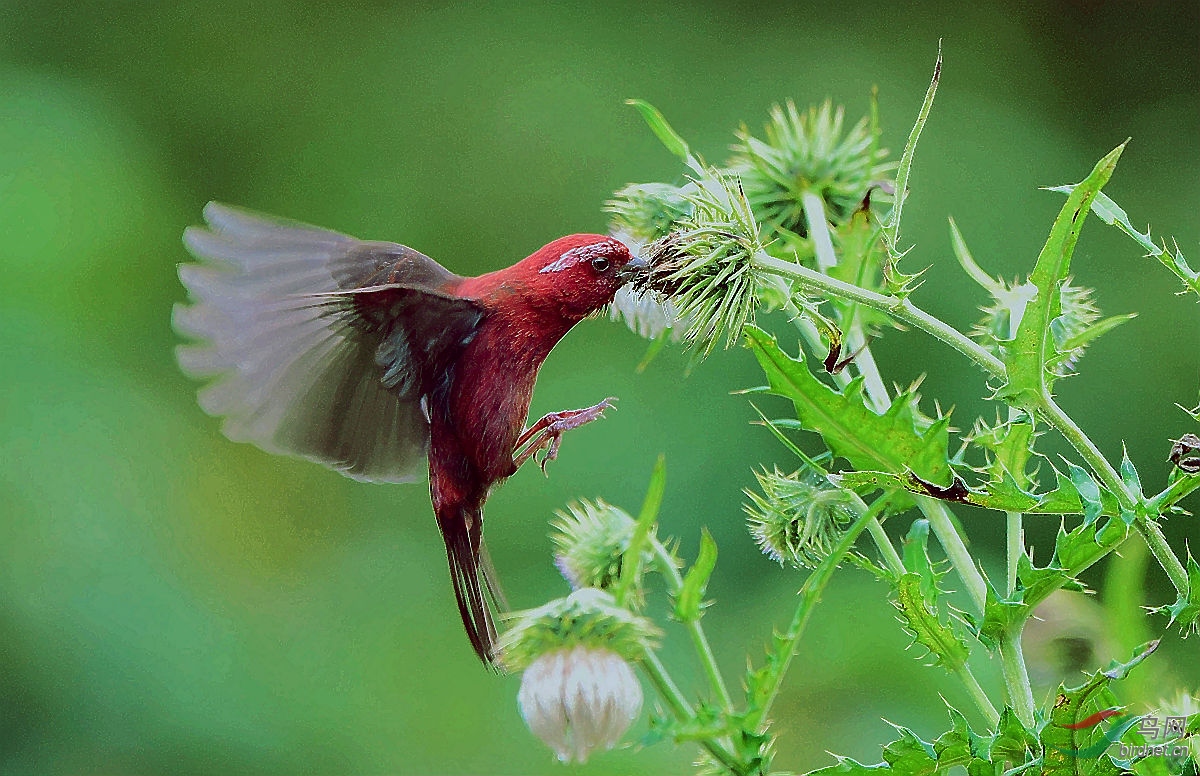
(808, 153)
(707, 266)
(590, 538)
(799, 517)
(647, 211)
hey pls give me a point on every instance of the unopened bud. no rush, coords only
(578, 691)
(798, 518)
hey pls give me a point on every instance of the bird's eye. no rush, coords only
(600, 264)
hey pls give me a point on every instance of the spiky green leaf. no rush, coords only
(1002, 495)
(1008, 750)
(1072, 746)
(920, 618)
(1111, 213)
(1027, 356)
(1186, 610)
(899, 440)
(689, 604)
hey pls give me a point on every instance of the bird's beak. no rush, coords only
(636, 266)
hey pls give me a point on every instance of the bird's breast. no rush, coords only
(492, 391)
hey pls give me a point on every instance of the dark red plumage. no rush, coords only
(368, 356)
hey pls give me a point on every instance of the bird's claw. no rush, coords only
(545, 436)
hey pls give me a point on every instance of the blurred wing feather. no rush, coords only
(317, 344)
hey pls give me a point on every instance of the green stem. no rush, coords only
(891, 558)
(1016, 547)
(810, 594)
(666, 686)
(978, 695)
(1083, 445)
(1163, 553)
(670, 692)
(1016, 678)
(1113, 481)
(818, 230)
(956, 550)
(1174, 493)
(901, 309)
(666, 564)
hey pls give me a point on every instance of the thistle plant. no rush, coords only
(806, 219)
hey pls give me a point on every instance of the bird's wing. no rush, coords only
(317, 344)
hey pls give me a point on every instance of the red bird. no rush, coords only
(369, 356)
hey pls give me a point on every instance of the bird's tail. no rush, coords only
(475, 585)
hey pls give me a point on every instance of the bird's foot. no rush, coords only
(546, 434)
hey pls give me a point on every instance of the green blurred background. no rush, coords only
(171, 602)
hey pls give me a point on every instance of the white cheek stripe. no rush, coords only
(582, 253)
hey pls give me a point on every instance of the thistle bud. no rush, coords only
(579, 700)
(578, 691)
(798, 518)
(706, 266)
(646, 212)
(590, 539)
(808, 152)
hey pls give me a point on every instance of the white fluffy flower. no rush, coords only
(646, 314)
(579, 700)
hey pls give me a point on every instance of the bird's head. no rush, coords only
(578, 274)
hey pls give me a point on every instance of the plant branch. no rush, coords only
(1083, 445)
(1163, 553)
(666, 564)
(977, 694)
(1174, 493)
(817, 283)
(670, 692)
(810, 594)
(1016, 678)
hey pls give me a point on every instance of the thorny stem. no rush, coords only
(1157, 543)
(1174, 493)
(905, 311)
(666, 564)
(1086, 448)
(671, 693)
(1148, 529)
(1016, 678)
(900, 309)
(810, 594)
